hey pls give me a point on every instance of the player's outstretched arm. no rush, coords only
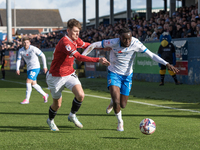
(88, 50)
(91, 47)
(161, 61)
(102, 60)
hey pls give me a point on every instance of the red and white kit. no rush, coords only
(62, 73)
(64, 54)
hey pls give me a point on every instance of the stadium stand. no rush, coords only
(184, 23)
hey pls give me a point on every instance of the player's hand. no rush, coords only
(45, 70)
(18, 72)
(172, 68)
(104, 61)
(78, 62)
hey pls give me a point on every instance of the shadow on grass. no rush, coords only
(100, 129)
(17, 113)
(43, 129)
(105, 115)
(121, 138)
(21, 128)
(31, 129)
(144, 115)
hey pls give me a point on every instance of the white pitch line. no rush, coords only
(142, 103)
(167, 107)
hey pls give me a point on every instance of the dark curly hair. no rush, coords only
(124, 30)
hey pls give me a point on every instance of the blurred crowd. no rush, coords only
(39, 40)
(184, 23)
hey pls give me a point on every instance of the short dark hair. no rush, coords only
(73, 23)
(124, 30)
(26, 38)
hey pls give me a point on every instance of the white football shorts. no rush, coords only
(57, 84)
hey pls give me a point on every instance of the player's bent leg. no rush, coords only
(125, 90)
(38, 88)
(74, 119)
(52, 113)
(78, 92)
(46, 98)
(120, 126)
(115, 94)
(28, 93)
(123, 101)
(76, 104)
(110, 107)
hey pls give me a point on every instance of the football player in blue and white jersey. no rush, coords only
(120, 71)
(30, 54)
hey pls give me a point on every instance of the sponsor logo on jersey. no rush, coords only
(107, 42)
(26, 54)
(124, 50)
(68, 47)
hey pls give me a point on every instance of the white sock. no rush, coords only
(71, 114)
(39, 89)
(28, 91)
(119, 116)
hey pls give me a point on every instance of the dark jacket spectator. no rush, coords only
(160, 31)
(178, 31)
(193, 29)
(172, 31)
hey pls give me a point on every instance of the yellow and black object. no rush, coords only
(167, 52)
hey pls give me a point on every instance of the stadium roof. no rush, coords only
(18, 32)
(33, 17)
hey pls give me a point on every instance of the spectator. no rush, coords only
(154, 36)
(184, 32)
(193, 29)
(178, 31)
(160, 22)
(166, 27)
(198, 30)
(141, 37)
(160, 31)
(148, 36)
(134, 33)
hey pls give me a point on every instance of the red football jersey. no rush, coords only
(64, 54)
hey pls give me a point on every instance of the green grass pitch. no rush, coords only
(23, 127)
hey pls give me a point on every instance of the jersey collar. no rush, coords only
(73, 42)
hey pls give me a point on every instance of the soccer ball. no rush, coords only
(147, 126)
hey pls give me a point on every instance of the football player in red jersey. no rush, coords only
(62, 73)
